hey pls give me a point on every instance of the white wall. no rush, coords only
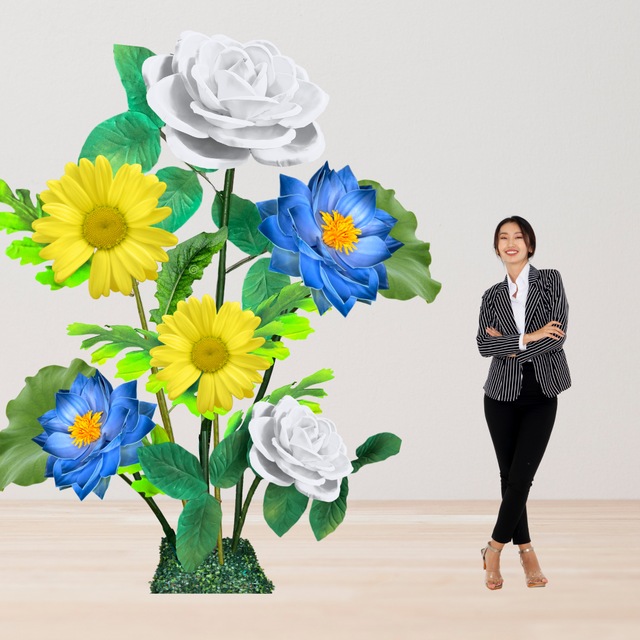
(471, 111)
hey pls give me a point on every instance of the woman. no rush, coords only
(523, 323)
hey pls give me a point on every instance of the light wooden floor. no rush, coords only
(392, 570)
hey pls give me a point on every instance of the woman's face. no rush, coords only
(511, 245)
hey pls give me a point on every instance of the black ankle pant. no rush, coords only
(520, 431)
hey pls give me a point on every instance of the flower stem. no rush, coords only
(245, 508)
(168, 531)
(224, 222)
(216, 490)
(243, 261)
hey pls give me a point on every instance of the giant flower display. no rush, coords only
(93, 213)
(291, 445)
(92, 431)
(202, 344)
(331, 234)
(223, 101)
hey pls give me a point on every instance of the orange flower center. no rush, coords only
(339, 232)
(86, 428)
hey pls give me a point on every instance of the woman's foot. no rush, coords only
(491, 556)
(532, 571)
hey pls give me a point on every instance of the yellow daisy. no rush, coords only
(200, 343)
(90, 211)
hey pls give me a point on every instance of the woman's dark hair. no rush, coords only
(527, 232)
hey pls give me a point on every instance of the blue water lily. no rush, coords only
(330, 234)
(92, 431)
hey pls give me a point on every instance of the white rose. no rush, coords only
(222, 100)
(293, 445)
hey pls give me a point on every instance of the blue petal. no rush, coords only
(284, 262)
(61, 445)
(305, 225)
(79, 384)
(383, 216)
(69, 406)
(48, 470)
(361, 292)
(41, 439)
(46, 417)
(320, 300)
(101, 487)
(310, 270)
(369, 252)
(145, 426)
(84, 487)
(147, 408)
(334, 284)
(267, 208)
(360, 205)
(383, 280)
(290, 186)
(126, 390)
(110, 462)
(329, 192)
(115, 422)
(74, 476)
(271, 229)
(116, 442)
(53, 425)
(129, 454)
(104, 383)
(317, 177)
(337, 302)
(361, 276)
(392, 244)
(376, 228)
(348, 179)
(131, 404)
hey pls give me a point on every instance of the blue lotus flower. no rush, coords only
(92, 431)
(330, 234)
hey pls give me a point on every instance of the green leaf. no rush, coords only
(290, 326)
(187, 263)
(46, 277)
(233, 423)
(24, 212)
(260, 284)
(283, 507)
(26, 250)
(228, 460)
(325, 517)
(244, 219)
(159, 435)
(272, 349)
(408, 267)
(117, 337)
(314, 406)
(203, 170)
(132, 468)
(144, 486)
(375, 449)
(128, 138)
(21, 460)
(197, 533)
(129, 61)
(133, 365)
(183, 195)
(304, 387)
(173, 470)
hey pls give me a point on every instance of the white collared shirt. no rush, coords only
(518, 304)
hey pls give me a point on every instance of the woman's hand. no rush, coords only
(548, 331)
(496, 334)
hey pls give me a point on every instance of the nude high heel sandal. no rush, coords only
(491, 577)
(533, 578)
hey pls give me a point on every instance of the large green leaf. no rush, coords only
(47, 277)
(129, 61)
(187, 263)
(173, 470)
(26, 250)
(233, 423)
(408, 267)
(128, 138)
(24, 212)
(183, 196)
(21, 460)
(304, 388)
(325, 517)
(272, 349)
(228, 460)
(244, 219)
(375, 449)
(260, 284)
(144, 486)
(117, 337)
(197, 533)
(282, 507)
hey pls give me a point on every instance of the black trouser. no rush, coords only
(520, 431)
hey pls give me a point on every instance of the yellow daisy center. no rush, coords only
(209, 354)
(339, 232)
(104, 227)
(86, 428)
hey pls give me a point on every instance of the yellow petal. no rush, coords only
(249, 361)
(63, 213)
(186, 327)
(103, 176)
(206, 393)
(153, 235)
(84, 174)
(177, 342)
(117, 186)
(120, 274)
(248, 347)
(239, 339)
(209, 313)
(230, 383)
(181, 380)
(222, 396)
(68, 263)
(195, 311)
(77, 194)
(130, 262)
(100, 275)
(152, 217)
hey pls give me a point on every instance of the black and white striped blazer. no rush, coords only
(546, 301)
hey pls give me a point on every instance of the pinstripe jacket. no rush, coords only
(546, 301)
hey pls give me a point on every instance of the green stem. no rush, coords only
(245, 508)
(168, 531)
(224, 222)
(205, 440)
(216, 490)
(243, 261)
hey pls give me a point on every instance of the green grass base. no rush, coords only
(240, 572)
